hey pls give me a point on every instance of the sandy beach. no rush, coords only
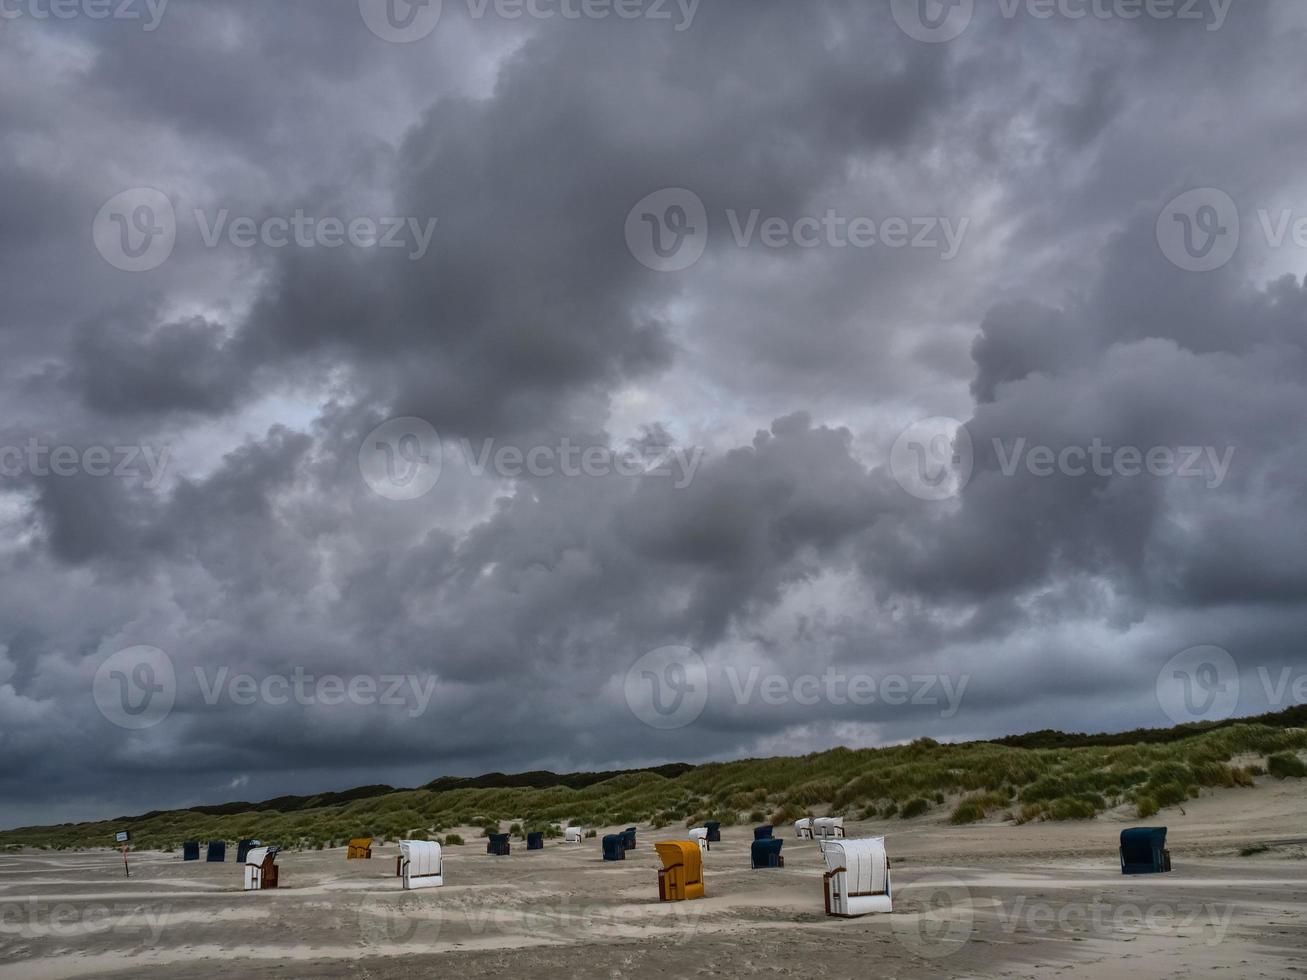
(988, 900)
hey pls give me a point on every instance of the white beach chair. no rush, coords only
(857, 881)
(421, 864)
(803, 828)
(700, 834)
(260, 868)
(572, 835)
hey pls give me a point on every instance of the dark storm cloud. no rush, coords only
(514, 604)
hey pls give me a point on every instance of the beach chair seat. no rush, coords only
(700, 836)
(572, 835)
(1143, 851)
(421, 864)
(191, 850)
(766, 853)
(614, 847)
(244, 847)
(217, 851)
(828, 828)
(261, 871)
(681, 876)
(803, 828)
(714, 831)
(359, 848)
(499, 845)
(763, 833)
(628, 838)
(857, 880)
(535, 841)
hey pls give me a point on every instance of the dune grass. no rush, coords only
(1054, 779)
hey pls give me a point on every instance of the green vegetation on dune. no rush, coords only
(1055, 777)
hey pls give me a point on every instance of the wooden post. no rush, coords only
(125, 867)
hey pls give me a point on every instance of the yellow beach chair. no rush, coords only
(681, 877)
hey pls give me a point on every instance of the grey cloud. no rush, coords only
(793, 548)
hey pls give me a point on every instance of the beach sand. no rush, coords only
(986, 900)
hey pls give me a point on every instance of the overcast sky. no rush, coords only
(476, 353)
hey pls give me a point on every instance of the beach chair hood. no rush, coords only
(857, 880)
(681, 877)
(421, 864)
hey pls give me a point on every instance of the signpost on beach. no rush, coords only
(122, 837)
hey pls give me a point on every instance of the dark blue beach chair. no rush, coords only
(1143, 851)
(766, 853)
(614, 847)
